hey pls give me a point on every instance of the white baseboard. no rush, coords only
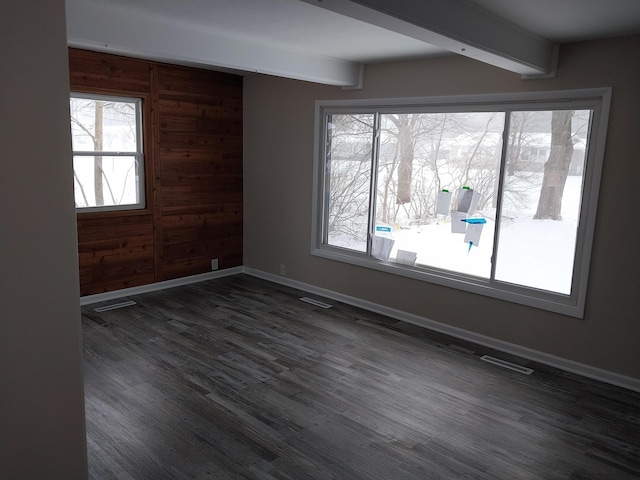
(588, 371)
(595, 373)
(152, 287)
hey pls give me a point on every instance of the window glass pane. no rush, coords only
(107, 151)
(422, 154)
(348, 174)
(522, 172)
(105, 180)
(542, 192)
(103, 125)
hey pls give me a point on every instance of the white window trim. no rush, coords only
(599, 99)
(138, 155)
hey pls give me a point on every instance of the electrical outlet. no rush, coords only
(283, 269)
(214, 264)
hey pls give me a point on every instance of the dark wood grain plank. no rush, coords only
(105, 72)
(236, 378)
(192, 122)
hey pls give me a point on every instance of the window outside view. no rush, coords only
(107, 152)
(406, 185)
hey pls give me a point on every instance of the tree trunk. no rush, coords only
(405, 165)
(514, 151)
(557, 167)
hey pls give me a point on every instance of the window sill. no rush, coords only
(556, 303)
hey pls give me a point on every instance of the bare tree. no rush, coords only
(406, 138)
(417, 152)
(89, 117)
(519, 139)
(349, 163)
(402, 168)
(556, 168)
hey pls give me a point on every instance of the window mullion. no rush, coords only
(326, 178)
(104, 153)
(375, 149)
(501, 175)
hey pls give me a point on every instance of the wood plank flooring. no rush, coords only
(236, 378)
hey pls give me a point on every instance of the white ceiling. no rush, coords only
(328, 41)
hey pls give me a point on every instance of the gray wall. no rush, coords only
(279, 126)
(41, 403)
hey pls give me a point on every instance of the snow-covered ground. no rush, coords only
(533, 253)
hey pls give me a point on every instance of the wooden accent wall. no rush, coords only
(192, 127)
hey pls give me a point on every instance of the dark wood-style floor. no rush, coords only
(237, 378)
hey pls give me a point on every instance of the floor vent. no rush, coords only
(317, 303)
(113, 306)
(505, 364)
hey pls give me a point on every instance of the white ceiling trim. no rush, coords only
(459, 26)
(91, 25)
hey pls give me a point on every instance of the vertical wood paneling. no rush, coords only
(193, 168)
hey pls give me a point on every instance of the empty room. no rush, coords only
(300, 239)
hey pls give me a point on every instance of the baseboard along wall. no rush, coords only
(571, 366)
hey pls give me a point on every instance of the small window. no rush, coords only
(494, 195)
(108, 166)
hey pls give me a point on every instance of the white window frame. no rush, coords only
(138, 154)
(597, 99)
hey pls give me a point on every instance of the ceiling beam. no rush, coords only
(459, 26)
(92, 26)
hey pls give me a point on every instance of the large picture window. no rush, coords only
(107, 152)
(495, 194)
